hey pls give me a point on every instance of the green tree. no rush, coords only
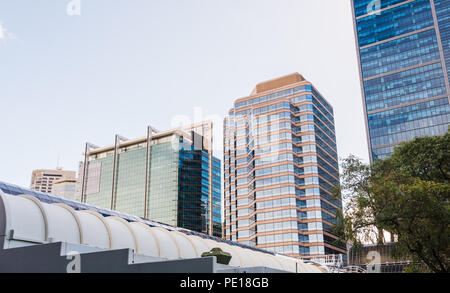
(406, 195)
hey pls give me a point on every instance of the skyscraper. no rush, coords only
(280, 166)
(43, 179)
(170, 177)
(404, 59)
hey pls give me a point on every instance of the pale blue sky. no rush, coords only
(122, 65)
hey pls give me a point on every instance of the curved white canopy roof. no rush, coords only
(27, 221)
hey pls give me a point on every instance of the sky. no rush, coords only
(73, 71)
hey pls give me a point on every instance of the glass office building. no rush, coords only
(404, 57)
(280, 167)
(170, 177)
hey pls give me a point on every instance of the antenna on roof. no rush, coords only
(57, 163)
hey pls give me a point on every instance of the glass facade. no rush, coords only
(404, 51)
(65, 189)
(193, 178)
(163, 183)
(178, 182)
(280, 167)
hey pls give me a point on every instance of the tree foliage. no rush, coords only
(406, 195)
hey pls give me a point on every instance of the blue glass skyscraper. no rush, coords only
(404, 60)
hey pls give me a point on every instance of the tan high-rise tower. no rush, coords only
(280, 166)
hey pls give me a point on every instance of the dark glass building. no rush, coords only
(404, 60)
(171, 177)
